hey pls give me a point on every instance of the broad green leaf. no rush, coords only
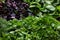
(58, 8)
(50, 7)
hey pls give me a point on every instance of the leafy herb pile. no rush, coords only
(45, 7)
(38, 20)
(31, 28)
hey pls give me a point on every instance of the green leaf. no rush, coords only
(58, 8)
(50, 7)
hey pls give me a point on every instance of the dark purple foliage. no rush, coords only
(13, 9)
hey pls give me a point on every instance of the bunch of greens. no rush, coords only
(48, 7)
(31, 28)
